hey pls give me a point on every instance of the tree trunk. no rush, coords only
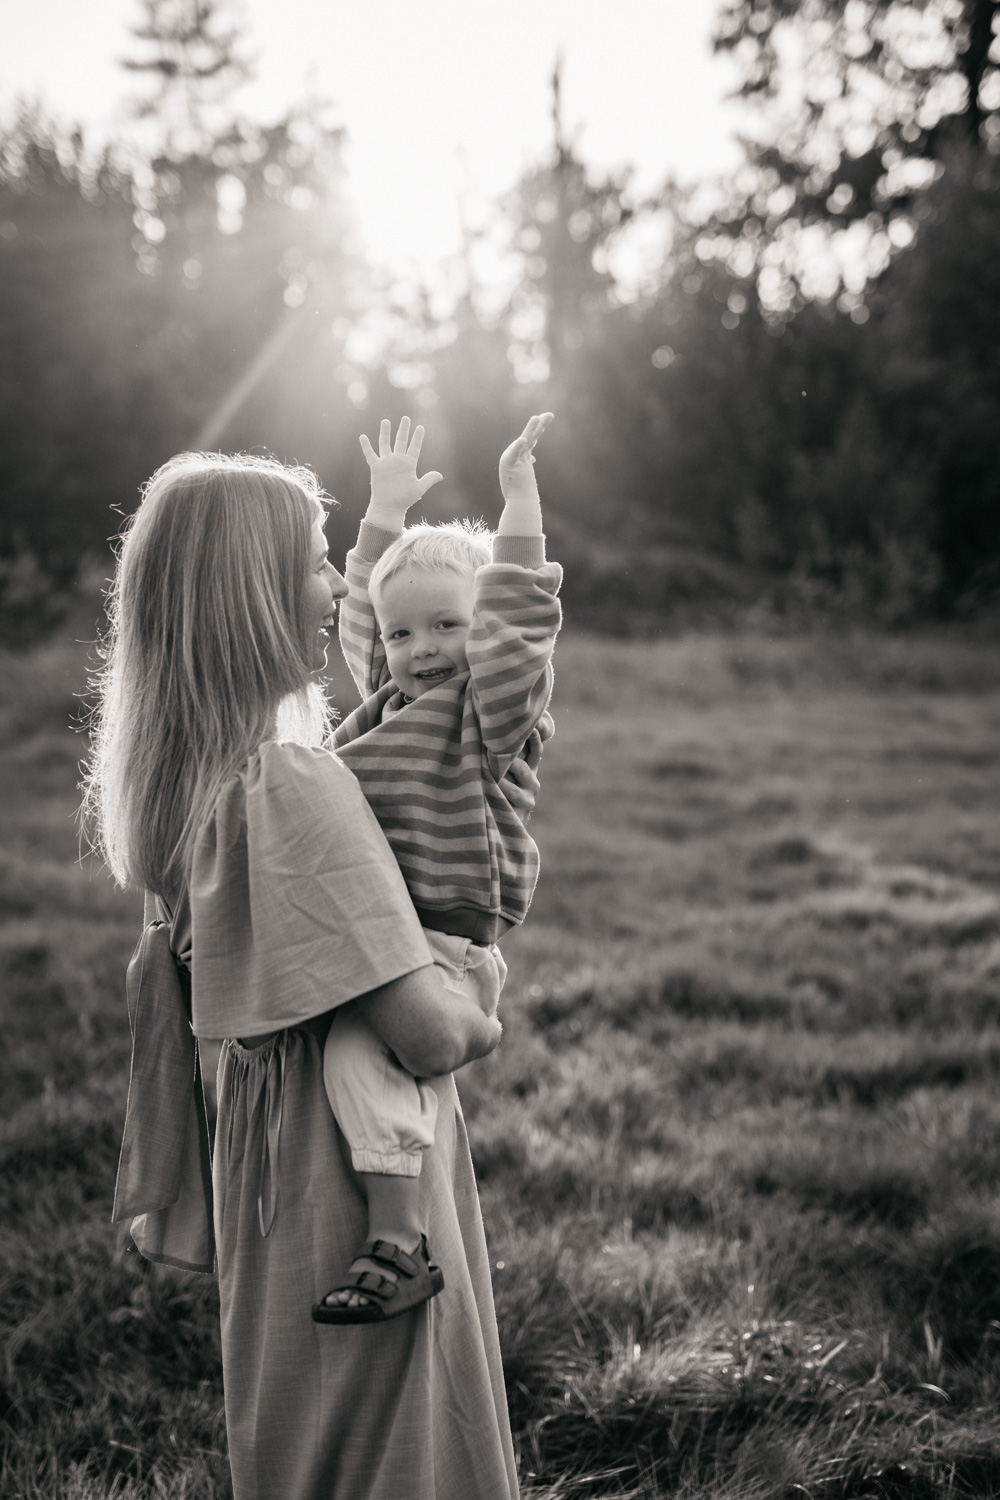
(975, 59)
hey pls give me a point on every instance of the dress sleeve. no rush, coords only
(297, 904)
(359, 638)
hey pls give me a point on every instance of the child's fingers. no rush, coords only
(368, 450)
(520, 448)
(402, 435)
(416, 443)
(385, 438)
(536, 427)
(428, 479)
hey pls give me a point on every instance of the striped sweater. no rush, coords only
(431, 767)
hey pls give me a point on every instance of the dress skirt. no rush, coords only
(413, 1409)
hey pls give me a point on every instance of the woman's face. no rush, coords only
(324, 586)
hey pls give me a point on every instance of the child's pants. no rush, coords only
(388, 1116)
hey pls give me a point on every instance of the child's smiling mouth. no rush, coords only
(433, 674)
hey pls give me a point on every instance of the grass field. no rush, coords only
(738, 1152)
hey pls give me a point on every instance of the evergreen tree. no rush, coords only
(935, 348)
(197, 299)
(562, 220)
(75, 404)
(193, 57)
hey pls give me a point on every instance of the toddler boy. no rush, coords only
(449, 634)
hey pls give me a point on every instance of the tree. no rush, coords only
(75, 407)
(855, 101)
(247, 226)
(193, 56)
(887, 111)
(936, 348)
(562, 219)
(197, 299)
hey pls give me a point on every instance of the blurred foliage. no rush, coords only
(132, 299)
(774, 422)
(854, 98)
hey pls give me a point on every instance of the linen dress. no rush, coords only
(295, 906)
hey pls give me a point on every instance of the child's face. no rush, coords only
(424, 619)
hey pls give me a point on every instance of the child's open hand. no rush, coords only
(395, 486)
(517, 466)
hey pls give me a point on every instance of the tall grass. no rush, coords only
(738, 1153)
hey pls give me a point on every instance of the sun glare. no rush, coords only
(443, 105)
(446, 104)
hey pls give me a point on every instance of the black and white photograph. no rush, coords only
(500, 750)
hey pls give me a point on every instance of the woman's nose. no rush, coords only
(338, 584)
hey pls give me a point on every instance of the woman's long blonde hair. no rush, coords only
(205, 649)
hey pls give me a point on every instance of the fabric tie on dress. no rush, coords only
(274, 1100)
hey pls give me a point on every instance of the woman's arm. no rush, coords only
(431, 1030)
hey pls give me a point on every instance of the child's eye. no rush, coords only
(398, 635)
(447, 624)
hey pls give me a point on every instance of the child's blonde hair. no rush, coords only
(451, 546)
(206, 638)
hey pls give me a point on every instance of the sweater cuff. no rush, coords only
(372, 541)
(525, 551)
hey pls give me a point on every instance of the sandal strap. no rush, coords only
(385, 1253)
(372, 1283)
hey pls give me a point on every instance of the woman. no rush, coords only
(282, 902)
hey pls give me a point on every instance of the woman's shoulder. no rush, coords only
(281, 770)
(287, 760)
(277, 764)
(286, 794)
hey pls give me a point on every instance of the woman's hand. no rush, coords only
(395, 486)
(520, 786)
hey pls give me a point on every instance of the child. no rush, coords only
(450, 639)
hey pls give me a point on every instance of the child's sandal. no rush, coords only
(418, 1281)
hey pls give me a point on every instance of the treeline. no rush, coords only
(799, 411)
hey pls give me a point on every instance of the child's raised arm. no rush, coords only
(522, 511)
(395, 486)
(516, 616)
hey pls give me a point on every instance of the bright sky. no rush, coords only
(441, 99)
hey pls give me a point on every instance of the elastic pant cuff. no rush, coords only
(388, 1163)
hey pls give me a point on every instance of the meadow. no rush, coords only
(739, 1151)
